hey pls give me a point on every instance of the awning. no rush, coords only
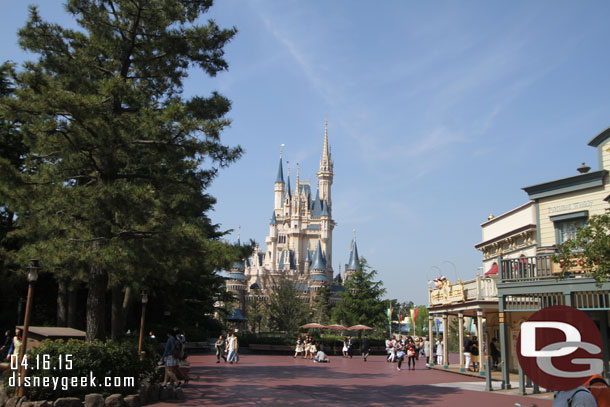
(493, 270)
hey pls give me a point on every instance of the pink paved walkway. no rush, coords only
(283, 381)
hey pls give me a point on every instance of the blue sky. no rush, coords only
(439, 112)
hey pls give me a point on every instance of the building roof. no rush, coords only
(238, 265)
(565, 185)
(236, 276)
(273, 219)
(600, 138)
(505, 235)
(280, 173)
(354, 261)
(324, 209)
(308, 257)
(301, 287)
(319, 263)
(337, 288)
(318, 277)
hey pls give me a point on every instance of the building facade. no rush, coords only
(531, 282)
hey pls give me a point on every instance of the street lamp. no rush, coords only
(144, 302)
(32, 277)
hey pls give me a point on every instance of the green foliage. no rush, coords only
(97, 359)
(287, 310)
(592, 245)
(321, 308)
(110, 188)
(421, 322)
(362, 303)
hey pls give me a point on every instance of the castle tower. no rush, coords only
(237, 284)
(325, 174)
(354, 260)
(317, 276)
(279, 186)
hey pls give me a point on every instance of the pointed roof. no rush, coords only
(288, 192)
(324, 209)
(319, 263)
(308, 258)
(354, 261)
(273, 219)
(280, 173)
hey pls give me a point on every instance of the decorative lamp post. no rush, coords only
(144, 302)
(32, 277)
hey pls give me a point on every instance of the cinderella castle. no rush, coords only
(300, 240)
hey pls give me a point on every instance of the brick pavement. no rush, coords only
(260, 380)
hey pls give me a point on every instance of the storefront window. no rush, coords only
(566, 230)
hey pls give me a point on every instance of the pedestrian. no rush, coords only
(220, 349)
(350, 346)
(6, 344)
(170, 357)
(495, 353)
(233, 346)
(345, 348)
(365, 347)
(439, 350)
(578, 397)
(411, 352)
(299, 347)
(16, 344)
(474, 350)
(308, 343)
(400, 353)
(467, 349)
(427, 349)
(313, 350)
(388, 348)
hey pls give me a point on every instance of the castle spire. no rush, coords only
(280, 171)
(354, 261)
(325, 152)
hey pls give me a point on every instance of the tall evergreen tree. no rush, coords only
(362, 302)
(322, 307)
(113, 183)
(287, 310)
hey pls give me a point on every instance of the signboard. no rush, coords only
(576, 265)
(448, 293)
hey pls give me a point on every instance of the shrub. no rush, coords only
(97, 359)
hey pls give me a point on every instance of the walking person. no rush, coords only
(427, 349)
(345, 348)
(220, 349)
(467, 349)
(495, 353)
(365, 347)
(474, 350)
(6, 344)
(16, 345)
(299, 347)
(411, 352)
(171, 356)
(350, 347)
(439, 350)
(231, 347)
(400, 353)
(308, 343)
(313, 350)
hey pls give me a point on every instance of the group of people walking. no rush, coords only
(173, 356)
(227, 349)
(398, 349)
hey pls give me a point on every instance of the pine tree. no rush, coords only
(362, 302)
(322, 307)
(287, 310)
(112, 189)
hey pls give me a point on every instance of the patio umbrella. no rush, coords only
(312, 325)
(360, 328)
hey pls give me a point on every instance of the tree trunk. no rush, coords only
(96, 303)
(127, 300)
(72, 292)
(61, 303)
(116, 318)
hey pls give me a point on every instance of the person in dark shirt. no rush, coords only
(365, 347)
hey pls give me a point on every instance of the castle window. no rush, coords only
(281, 239)
(567, 225)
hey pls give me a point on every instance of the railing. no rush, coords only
(527, 269)
(480, 288)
